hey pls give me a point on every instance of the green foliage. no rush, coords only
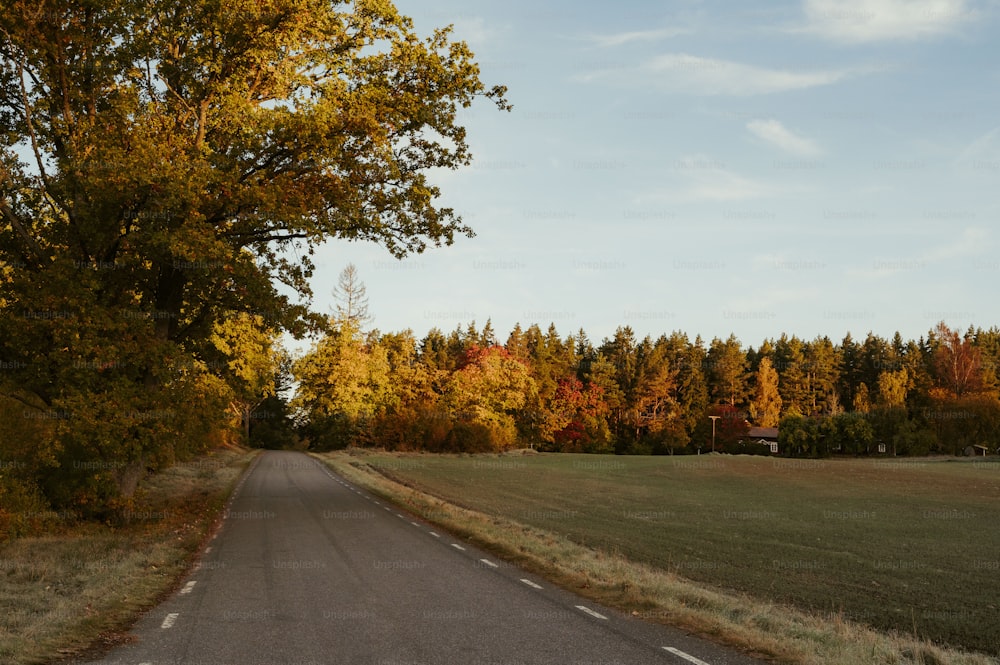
(473, 437)
(726, 365)
(911, 439)
(798, 436)
(271, 425)
(182, 162)
(850, 434)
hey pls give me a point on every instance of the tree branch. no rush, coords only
(26, 237)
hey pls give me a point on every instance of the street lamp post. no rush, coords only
(714, 418)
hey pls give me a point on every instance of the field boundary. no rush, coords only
(766, 630)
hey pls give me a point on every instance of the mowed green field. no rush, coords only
(911, 546)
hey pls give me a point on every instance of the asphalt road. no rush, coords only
(308, 569)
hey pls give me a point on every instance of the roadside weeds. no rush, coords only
(74, 594)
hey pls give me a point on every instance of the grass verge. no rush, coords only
(768, 629)
(72, 594)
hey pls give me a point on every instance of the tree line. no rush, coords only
(468, 390)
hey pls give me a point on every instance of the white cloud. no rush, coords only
(778, 135)
(860, 21)
(618, 39)
(681, 72)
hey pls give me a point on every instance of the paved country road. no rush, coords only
(308, 569)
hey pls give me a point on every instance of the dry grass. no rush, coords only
(768, 629)
(67, 593)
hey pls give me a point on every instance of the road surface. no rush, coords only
(308, 569)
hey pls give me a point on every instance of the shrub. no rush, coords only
(466, 437)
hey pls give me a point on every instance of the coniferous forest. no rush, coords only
(472, 390)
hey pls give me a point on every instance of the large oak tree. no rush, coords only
(165, 163)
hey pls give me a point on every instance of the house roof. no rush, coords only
(763, 432)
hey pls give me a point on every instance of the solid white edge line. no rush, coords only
(168, 621)
(457, 546)
(587, 610)
(532, 584)
(686, 656)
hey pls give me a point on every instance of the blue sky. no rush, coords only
(811, 167)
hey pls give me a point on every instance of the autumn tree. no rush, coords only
(730, 425)
(958, 364)
(766, 404)
(655, 408)
(892, 388)
(250, 361)
(574, 421)
(165, 164)
(600, 372)
(343, 383)
(489, 389)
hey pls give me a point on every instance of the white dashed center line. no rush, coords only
(169, 620)
(457, 546)
(531, 584)
(436, 535)
(489, 563)
(686, 656)
(189, 587)
(587, 610)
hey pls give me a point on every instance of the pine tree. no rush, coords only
(850, 370)
(726, 370)
(351, 300)
(790, 361)
(487, 336)
(516, 344)
(823, 373)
